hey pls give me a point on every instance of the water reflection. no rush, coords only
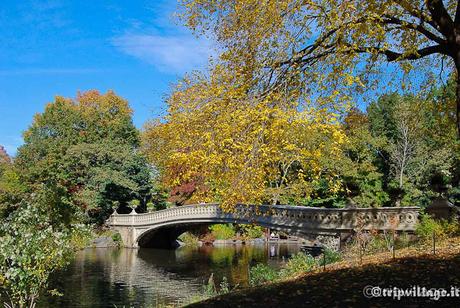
(145, 277)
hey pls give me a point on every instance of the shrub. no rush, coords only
(116, 237)
(223, 232)
(209, 290)
(298, 263)
(403, 240)
(189, 239)
(441, 228)
(450, 228)
(30, 251)
(261, 274)
(207, 238)
(427, 226)
(252, 231)
(379, 243)
(331, 256)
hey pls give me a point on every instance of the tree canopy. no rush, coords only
(271, 121)
(329, 48)
(216, 144)
(88, 148)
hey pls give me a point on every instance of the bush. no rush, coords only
(441, 228)
(207, 238)
(209, 289)
(450, 228)
(116, 237)
(426, 226)
(298, 263)
(252, 231)
(189, 239)
(223, 232)
(403, 240)
(379, 243)
(454, 195)
(331, 256)
(261, 274)
(30, 251)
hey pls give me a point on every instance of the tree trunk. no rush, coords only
(457, 101)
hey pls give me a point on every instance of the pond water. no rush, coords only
(100, 277)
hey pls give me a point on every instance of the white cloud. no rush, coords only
(170, 54)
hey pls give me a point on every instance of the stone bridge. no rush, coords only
(161, 228)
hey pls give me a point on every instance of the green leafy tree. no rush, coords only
(12, 189)
(416, 154)
(105, 174)
(362, 178)
(89, 148)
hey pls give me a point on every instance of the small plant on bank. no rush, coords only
(331, 256)
(298, 263)
(262, 273)
(224, 286)
(209, 289)
(116, 238)
(189, 239)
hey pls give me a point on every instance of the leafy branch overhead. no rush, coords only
(329, 46)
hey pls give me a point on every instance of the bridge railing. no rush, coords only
(385, 218)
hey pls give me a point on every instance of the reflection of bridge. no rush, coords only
(161, 228)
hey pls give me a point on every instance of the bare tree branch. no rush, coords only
(441, 17)
(416, 13)
(394, 56)
(421, 29)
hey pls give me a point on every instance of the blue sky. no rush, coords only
(59, 47)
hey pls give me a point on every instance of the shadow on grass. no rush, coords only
(344, 287)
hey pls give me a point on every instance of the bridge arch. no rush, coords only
(166, 235)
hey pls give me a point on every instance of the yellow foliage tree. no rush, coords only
(332, 46)
(232, 147)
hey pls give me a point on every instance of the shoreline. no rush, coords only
(257, 241)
